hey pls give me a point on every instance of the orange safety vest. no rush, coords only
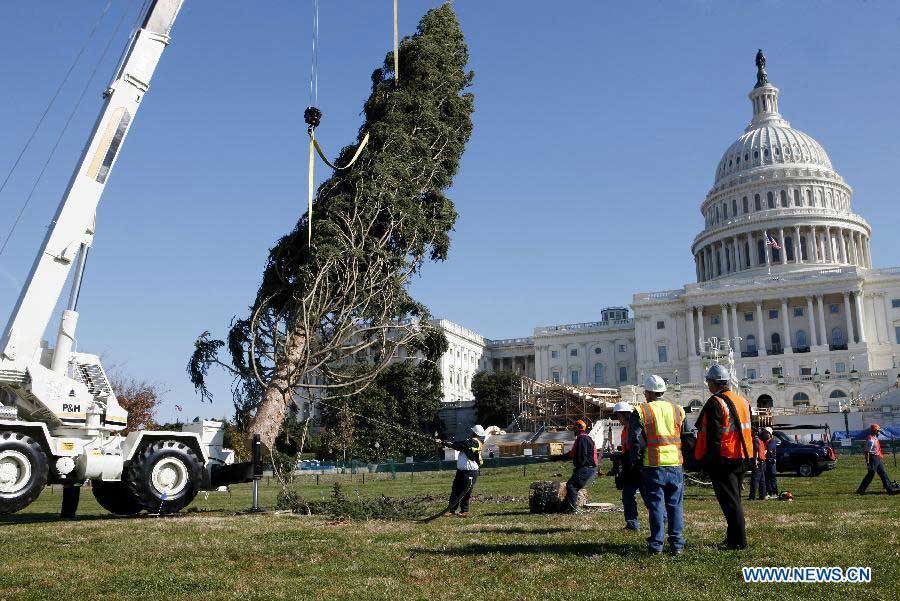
(761, 449)
(732, 434)
(877, 452)
(625, 438)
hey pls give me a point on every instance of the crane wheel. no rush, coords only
(165, 476)
(116, 497)
(23, 471)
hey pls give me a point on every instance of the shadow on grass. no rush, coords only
(46, 517)
(500, 514)
(519, 530)
(561, 549)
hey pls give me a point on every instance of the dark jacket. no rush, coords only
(583, 452)
(771, 450)
(471, 447)
(715, 421)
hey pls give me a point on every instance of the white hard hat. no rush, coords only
(768, 429)
(479, 431)
(623, 407)
(654, 383)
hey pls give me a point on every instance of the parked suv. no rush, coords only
(802, 458)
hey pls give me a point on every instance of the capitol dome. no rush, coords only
(777, 204)
(771, 144)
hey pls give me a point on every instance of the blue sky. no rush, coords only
(597, 129)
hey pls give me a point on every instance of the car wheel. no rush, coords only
(23, 471)
(805, 470)
(165, 477)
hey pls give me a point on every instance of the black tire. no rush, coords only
(806, 470)
(24, 465)
(116, 497)
(140, 476)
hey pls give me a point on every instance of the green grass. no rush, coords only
(501, 552)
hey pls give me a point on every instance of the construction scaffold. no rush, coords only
(546, 406)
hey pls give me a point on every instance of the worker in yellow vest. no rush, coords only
(655, 444)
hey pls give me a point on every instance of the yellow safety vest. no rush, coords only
(662, 429)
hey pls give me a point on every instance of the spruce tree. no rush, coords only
(322, 306)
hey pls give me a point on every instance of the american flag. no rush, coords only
(771, 242)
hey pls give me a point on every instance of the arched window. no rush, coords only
(770, 200)
(746, 206)
(761, 251)
(801, 398)
(837, 394)
(837, 337)
(803, 254)
(784, 199)
(598, 374)
(809, 200)
(797, 201)
(801, 339)
(776, 342)
(751, 343)
(734, 207)
(756, 202)
(724, 210)
(789, 247)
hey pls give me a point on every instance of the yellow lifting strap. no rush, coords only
(315, 148)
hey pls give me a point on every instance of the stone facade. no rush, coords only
(783, 272)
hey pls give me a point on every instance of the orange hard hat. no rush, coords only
(580, 425)
(874, 428)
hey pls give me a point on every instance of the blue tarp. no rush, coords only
(861, 434)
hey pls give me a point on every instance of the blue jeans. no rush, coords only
(663, 492)
(581, 477)
(629, 502)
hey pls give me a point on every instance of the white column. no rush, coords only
(725, 327)
(787, 340)
(860, 316)
(735, 332)
(812, 322)
(814, 245)
(783, 247)
(754, 254)
(850, 337)
(854, 257)
(823, 331)
(692, 342)
(735, 254)
(767, 248)
(829, 248)
(844, 254)
(760, 330)
(798, 250)
(700, 323)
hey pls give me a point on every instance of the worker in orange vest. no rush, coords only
(875, 463)
(758, 476)
(724, 447)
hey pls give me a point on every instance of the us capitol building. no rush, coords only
(783, 272)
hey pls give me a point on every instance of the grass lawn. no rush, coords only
(501, 552)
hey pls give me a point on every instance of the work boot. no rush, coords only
(462, 514)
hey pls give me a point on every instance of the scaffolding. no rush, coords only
(546, 406)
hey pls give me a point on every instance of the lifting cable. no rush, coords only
(313, 115)
(68, 121)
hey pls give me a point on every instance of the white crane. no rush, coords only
(59, 417)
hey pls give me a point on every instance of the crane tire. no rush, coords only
(116, 497)
(165, 476)
(23, 471)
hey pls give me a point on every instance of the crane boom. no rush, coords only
(71, 231)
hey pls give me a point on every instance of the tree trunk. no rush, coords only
(270, 415)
